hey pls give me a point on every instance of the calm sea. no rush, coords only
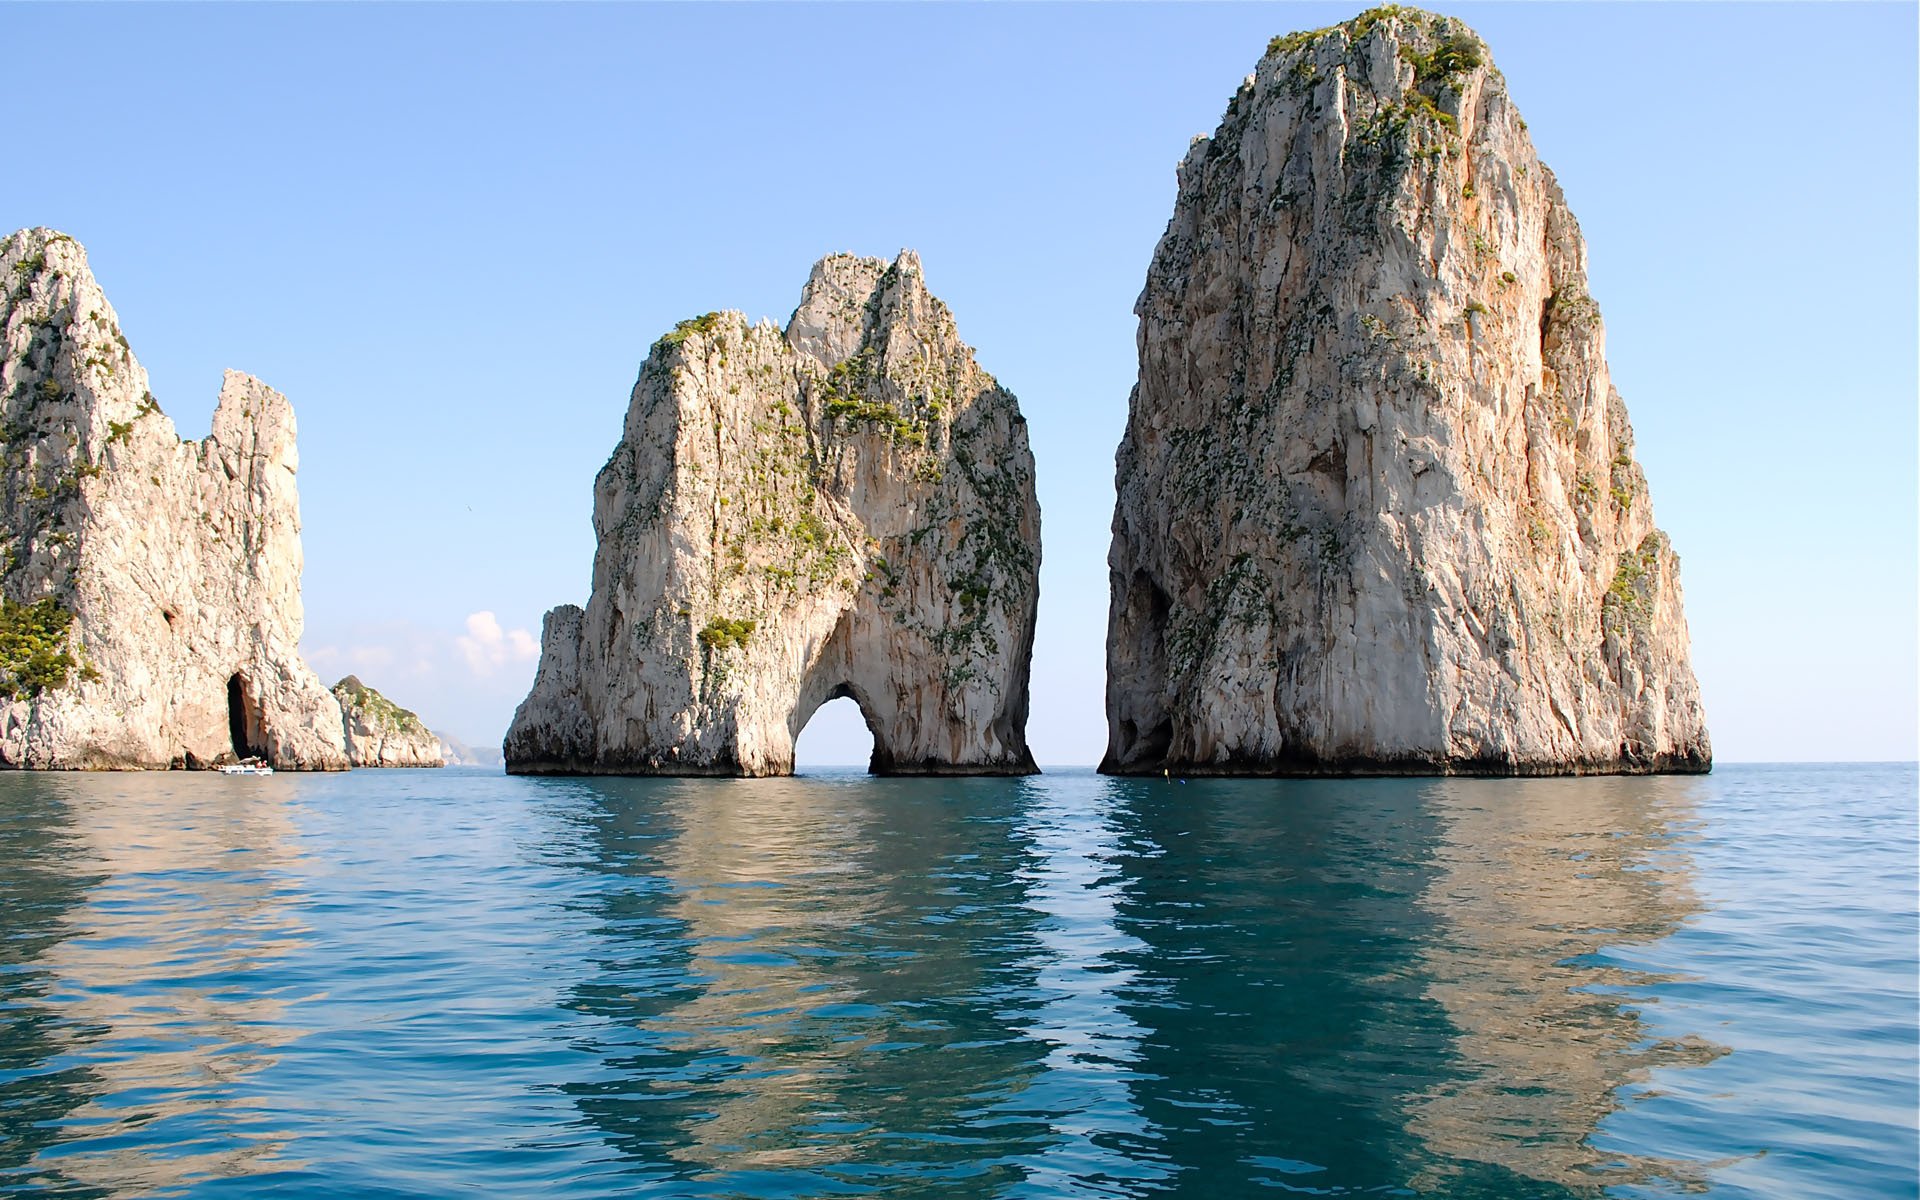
(449, 983)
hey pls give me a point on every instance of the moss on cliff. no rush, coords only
(724, 632)
(34, 654)
(374, 710)
(704, 323)
(850, 395)
(1629, 597)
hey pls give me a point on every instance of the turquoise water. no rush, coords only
(451, 983)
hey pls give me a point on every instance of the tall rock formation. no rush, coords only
(1378, 504)
(382, 734)
(842, 509)
(149, 587)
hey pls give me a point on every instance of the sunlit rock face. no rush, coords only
(1378, 506)
(151, 585)
(845, 508)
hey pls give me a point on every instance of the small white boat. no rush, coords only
(246, 768)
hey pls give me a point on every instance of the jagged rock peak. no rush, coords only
(149, 587)
(380, 733)
(1378, 508)
(842, 508)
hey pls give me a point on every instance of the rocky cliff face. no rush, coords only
(845, 508)
(380, 733)
(1378, 503)
(149, 586)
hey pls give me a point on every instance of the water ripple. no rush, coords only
(409, 984)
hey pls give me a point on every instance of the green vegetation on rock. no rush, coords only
(1629, 598)
(34, 657)
(849, 397)
(1457, 53)
(1356, 29)
(704, 323)
(724, 632)
(375, 710)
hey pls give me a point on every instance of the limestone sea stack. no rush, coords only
(842, 508)
(149, 587)
(1378, 509)
(380, 733)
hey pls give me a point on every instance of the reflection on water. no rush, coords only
(1280, 925)
(1389, 984)
(1100, 1140)
(835, 990)
(437, 983)
(1123, 987)
(40, 884)
(1529, 899)
(135, 979)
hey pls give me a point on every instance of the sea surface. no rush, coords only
(452, 983)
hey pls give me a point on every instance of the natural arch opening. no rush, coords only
(836, 735)
(243, 720)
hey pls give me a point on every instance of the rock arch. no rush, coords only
(878, 757)
(845, 506)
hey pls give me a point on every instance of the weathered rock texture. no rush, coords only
(842, 509)
(1378, 505)
(382, 734)
(150, 591)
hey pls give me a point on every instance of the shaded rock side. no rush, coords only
(1378, 507)
(149, 587)
(845, 508)
(379, 733)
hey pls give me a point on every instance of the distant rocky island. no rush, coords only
(842, 508)
(149, 587)
(457, 753)
(382, 734)
(1378, 507)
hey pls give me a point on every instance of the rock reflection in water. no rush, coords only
(1377, 984)
(46, 879)
(1278, 976)
(144, 965)
(1058, 987)
(817, 978)
(1531, 892)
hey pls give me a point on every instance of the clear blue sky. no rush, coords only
(449, 235)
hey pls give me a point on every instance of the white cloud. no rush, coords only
(487, 647)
